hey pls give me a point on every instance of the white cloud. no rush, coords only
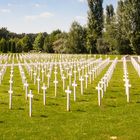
(5, 10)
(35, 17)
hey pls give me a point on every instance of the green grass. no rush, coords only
(85, 121)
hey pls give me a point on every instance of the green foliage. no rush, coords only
(39, 41)
(26, 43)
(95, 24)
(76, 42)
(48, 45)
(129, 12)
(102, 46)
(3, 45)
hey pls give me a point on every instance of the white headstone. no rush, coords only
(30, 95)
(81, 80)
(68, 92)
(55, 83)
(74, 89)
(44, 88)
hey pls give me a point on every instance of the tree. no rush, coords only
(95, 24)
(76, 39)
(123, 43)
(26, 43)
(48, 44)
(3, 45)
(19, 46)
(109, 35)
(131, 20)
(39, 41)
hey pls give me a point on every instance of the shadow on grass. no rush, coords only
(21, 108)
(83, 100)
(36, 99)
(4, 103)
(53, 104)
(18, 95)
(43, 116)
(138, 102)
(80, 110)
(1, 121)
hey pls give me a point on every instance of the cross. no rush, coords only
(74, 88)
(11, 82)
(86, 76)
(127, 86)
(99, 95)
(30, 95)
(42, 74)
(44, 88)
(70, 74)
(102, 86)
(79, 71)
(63, 78)
(55, 83)
(90, 73)
(10, 98)
(26, 89)
(55, 74)
(74, 74)
(34, 77)
(68, 91)
(81, 79)
(38, 83)
(31, 73)
(48, 75)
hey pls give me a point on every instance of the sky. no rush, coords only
(34, 16)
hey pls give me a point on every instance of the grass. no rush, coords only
(85, 121)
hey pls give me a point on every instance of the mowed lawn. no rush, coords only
(85, 121)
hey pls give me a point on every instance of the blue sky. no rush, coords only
(32, 16)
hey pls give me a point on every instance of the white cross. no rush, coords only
(42, 75)
(63, 78)
(44, 88)
(55, 73)
(81, 79)
(102, 86)
(30, 95)
(127, 86)
(55, 83)
(74, 74)
(34, 77)
(31, 73)
(11, 82)
(68, 91)
(90, 73)
(38, 83)
(70, 74)
(48, 75)
(99, 95)
(26, 89)
(74, 88)
(86, 76)
(10, 98)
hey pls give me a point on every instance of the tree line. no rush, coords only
(108, 31)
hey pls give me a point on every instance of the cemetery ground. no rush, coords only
(85, 120)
